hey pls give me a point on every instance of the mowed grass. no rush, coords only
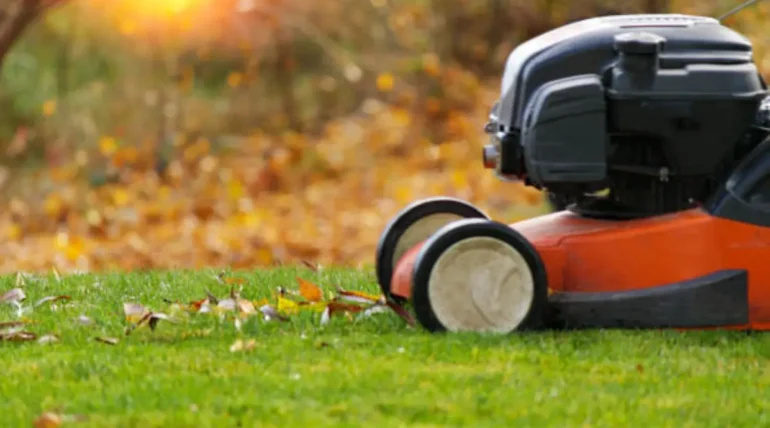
(371, 372)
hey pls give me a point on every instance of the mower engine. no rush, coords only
(656, 109)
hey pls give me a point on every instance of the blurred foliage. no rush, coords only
(187, 133)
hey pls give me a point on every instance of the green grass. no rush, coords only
(373, 372)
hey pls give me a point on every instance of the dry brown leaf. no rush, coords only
(14, 295)
(403, 313)
(48, 420)
(156, 317)
(51, 299)
(309, 291)
(107, 340)
(338, 307)
(17, 335)
(9, 325)
(358, 296)
(246, 307)
(151, 319)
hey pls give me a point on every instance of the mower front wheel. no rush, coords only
(481, 276)
(412, 225)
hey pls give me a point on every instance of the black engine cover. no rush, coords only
(571, 96)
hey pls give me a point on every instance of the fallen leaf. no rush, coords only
(48, 339)
(309, 291)
(48, 420)
(155, 317)
(227, 304)
(270, 313)
(287, 306)
(107, 340)
(246, 307)
(17, 335)
(14, 295)
(358, 296)
(134, 312)
(8, 325)
(338, 307)
(312, 306)
(403, 313)
(51, 299)
(385, 82)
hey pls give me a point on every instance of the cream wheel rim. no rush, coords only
(481, 284)
(421, 230)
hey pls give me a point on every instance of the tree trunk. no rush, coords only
(16, 16)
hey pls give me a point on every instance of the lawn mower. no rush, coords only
(653, 131)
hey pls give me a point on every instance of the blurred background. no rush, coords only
(140, 134)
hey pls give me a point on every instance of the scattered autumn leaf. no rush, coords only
(246, 307)
(227, 304)
(338, 307)
(358, 296)
(134, 312)
(403, 313)
(270, 313)
(309, 291)
(14, 295)
(48, 420)
(107, 340)
(17, 335)
(51, 299)
(7, 325)
(287, 306)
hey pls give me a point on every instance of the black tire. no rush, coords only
(531, 318)
(388, 246)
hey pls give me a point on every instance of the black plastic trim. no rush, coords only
(730, 201)
(719, 299)
(406, 218)
(472, 228)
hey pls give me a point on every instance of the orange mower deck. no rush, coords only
(683, 270)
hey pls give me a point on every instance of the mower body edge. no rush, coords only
(687, 270)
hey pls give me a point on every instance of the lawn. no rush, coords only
(351, 371)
